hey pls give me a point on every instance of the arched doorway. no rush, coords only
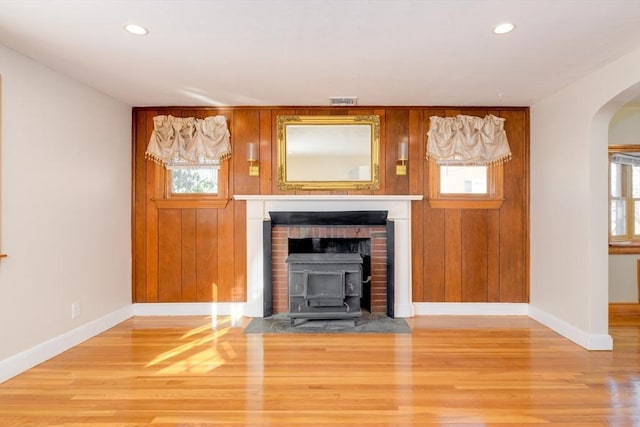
(624, 258)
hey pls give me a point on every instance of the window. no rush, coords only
(459, 186)
(463, 179)
(194, 180)
(193, 187)
(624, 198)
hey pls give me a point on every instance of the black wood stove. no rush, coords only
(324, 286)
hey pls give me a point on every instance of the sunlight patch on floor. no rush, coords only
(180, 350)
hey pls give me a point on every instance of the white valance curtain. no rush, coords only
(188, 141)
(626, 159)
(467, 140)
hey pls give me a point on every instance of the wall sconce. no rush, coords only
(252, 158)
(401, 169)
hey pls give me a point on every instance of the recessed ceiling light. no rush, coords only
(504, 28)
(136, 29)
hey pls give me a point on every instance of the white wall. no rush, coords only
(66, 191)
(623, 285)
(624, 129)
(569, 257)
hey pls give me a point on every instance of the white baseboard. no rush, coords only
(20, 362)
(578, 336)
(470, 309)
(235, 309)
(403, 310)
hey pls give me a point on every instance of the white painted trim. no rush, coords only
(20, 362)
(578, 336)
(398, 209)
(600, 342)
(403, 310)
(236, 309)
(470, 309)
(304, 197)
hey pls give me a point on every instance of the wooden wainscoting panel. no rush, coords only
(512, 214)
(246, 130)
(417, 139)
(396, 130)
(169, 255)
(415, 171)
(434, 256)
(226, 251)
(417, 252)
(239, 292)
(453, 255)
(139, 223)
(493, 255)
(151, 252)
(267, 173)
(151, 219)
(188, 254)
(474, 254)
(206, 253)
(432, 259)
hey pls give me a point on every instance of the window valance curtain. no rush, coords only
(626, 159)
(467, 140)
(188, 141)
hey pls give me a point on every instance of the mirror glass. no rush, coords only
(328, 152)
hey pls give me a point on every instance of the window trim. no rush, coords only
(169, 200)
(493, 199)
(616, 244)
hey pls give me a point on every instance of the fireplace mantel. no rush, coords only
(397, 206)
(319, 202)
(327, 197)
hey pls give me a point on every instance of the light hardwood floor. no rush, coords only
(198, 371)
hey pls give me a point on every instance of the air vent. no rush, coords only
(343, 101)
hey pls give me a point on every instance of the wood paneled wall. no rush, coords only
(459, 255)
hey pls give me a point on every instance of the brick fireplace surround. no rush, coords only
(399, 211)
(281, 233)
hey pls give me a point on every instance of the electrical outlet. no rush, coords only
(75, 310)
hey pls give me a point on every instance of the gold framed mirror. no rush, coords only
(328, 152)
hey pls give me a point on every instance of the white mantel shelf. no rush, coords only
(397, 206)
(329, 197)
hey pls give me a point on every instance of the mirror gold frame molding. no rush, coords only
(328, 152)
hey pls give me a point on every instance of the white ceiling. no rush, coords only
(301, 52)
